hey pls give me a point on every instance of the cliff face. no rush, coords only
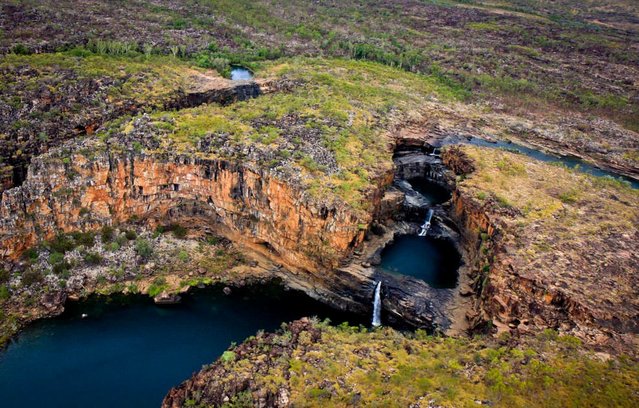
(43, 104)
(523, 287)
(81, 193)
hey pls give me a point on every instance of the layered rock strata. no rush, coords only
(86, 192)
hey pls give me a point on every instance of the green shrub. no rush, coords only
(61, 269)
(80, 52)
(157, 286)
(20, 49)
(122, 239)
(31, 276)
(143, 248)
(56, 257)
(130, 235)
(106, 234)
(114, 246)
(183, 256)
(31, 254)
(93, 258)
(569, 197)
(228, 356)
(4, 292)
(221, 65)
(178, 23)
(179, 231)
(84, 238)
(61, 243)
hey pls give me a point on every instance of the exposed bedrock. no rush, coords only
(225, 92)
(407, 301)
(113, 188)
(314, 241)
(516, 301)
(28, 139)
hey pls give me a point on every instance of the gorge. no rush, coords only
(276, 204)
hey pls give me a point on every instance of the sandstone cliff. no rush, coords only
(85, 191)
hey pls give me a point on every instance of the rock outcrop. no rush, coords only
(83, 192)
(75, 102)
(514, 296)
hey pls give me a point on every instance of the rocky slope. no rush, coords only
(311, 364)
(560, 256)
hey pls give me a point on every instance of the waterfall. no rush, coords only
(377, 306)
(424, 228)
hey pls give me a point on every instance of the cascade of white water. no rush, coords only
(424, 228)
(377, 306)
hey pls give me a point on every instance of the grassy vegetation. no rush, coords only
(533, 33)
(563, 228)
(464, 40)
(349, 366)
(146, 79)
(386, 369)
(520, 181)
(345, 106)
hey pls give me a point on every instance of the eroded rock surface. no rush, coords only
(113, 187)
(562, 256)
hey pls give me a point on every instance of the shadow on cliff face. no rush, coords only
(418, 273)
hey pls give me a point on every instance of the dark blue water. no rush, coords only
(432, 260)
(433, 192)
(130, 352)
(570, 162)
(240, 74)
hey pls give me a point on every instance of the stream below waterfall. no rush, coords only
(130, 352)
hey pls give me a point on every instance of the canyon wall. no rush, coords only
(511, 298)
(84, 192)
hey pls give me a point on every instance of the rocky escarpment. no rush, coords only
(523, 287)
(44, 105)
(82, 192)
(86, 185)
